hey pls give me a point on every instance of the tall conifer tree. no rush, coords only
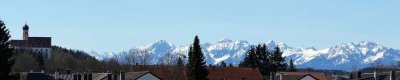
(264, 59)
(179, 62)
(250, 59)
(196, 65)
(6, 52)
(292, 67)
(278, 62)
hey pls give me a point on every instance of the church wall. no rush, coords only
(46, 52)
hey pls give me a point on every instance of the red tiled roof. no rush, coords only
(18, 43)
(39, 42)
(136, 75)
(234, 73)
(319, 76)
(43, 42)
(229, 73)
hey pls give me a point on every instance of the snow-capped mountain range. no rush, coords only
(343, 56)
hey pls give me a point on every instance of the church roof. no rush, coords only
(39, 41)
(18, 43)
(44, 42)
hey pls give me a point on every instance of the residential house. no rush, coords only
(143, 75)
(300, 76)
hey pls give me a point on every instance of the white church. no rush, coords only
(35, 44)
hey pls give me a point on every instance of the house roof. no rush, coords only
(43, 76)
(293, 77)
(234, 73)
(317, 75)
(165, 72)
(99, 76)
(63, 76)
(38, 76)
(136, 75)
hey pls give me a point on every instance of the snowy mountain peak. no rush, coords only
(311, 48)
(339, 57)
(282, 45)
(161, 43)
(271, 44)
(367, 43)
(224, 40)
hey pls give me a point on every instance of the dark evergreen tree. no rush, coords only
(196, 65)
(179, 62)
(292, 67)
(6, 52)
(230, 65)
(278, 62)
(263, 59)
(258, 57)
(223, 64)
(250, 59)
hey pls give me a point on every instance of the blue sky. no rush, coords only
(116, 25)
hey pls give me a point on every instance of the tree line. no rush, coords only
(267, 61)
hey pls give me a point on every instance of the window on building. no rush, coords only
(243, 78)
(221, 78)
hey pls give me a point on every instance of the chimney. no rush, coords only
(271, 77)
(79, 77)
(280, 76)
(85, 77)
(376, 75)
(109, 77)
(359, 75)
(115, 76)
(75, 77)
(90, 76)
(56, 75)
(68, 70)
(122, 76)
(392, 75)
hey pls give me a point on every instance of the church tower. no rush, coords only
(26, 31)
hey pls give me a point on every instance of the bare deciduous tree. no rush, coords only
(141, 56)
(25, 62)
(169, 59)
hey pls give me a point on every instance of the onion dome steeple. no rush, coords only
(26, 27)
